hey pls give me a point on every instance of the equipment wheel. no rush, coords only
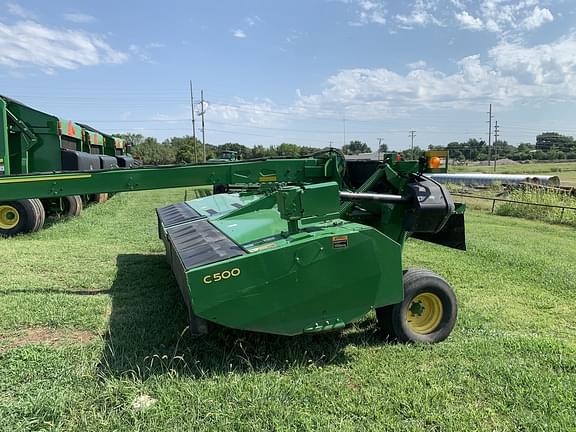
(427, 313)
(99, 198)
(40, 215)
(21, 216)
(71, 205)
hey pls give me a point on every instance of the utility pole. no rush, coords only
(496, 133)
(379, 146)
(331, 143)
(412, 135)
(202, 112)
(489, 135)
(193, 123)
(344, 126)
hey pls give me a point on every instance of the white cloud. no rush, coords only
(420, 64)
(251, 21)
(505, 17)
(370, 12)
(538, 18)
(239, 33)
(30, 43)
(421, 14)
(469, 22)
(79, 18)
(17, 10)
(511, 74)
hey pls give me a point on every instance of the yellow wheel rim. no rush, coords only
(9, 217)
(424, 313)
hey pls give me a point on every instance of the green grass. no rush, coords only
(565, 170)
(546, 214)
(509, 365)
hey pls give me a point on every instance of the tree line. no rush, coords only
(548, 146)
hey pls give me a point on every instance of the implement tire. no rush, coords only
(23, 216)
(427, 313)
(71, 205)
(99, 198)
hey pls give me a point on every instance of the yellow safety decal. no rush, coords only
(41, 179)
(268, 178)
(340, 242)
(220, 276)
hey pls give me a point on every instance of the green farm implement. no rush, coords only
(315, 247)
(32, 141)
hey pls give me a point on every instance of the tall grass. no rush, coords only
(535, 212)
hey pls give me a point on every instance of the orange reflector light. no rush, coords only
(434, 162)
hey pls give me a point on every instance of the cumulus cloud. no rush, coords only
(538, 18)
(469, 22)
(79, 18)
(238, 33)
(506, 17)
(511, 73)
(422, 13)
(370, 12)
(30, 43)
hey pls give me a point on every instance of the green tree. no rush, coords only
(554, 141)
(286, 149)
(151, 152)
(356, 147)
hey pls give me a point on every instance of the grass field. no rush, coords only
(565, 170)
(91, 319)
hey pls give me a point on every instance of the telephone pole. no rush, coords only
(412, 135)
(379, 146)
(490, 135)
(344, 127)
(193, 123)
(496, 133)
(202, 112)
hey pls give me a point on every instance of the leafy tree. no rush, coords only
(553, 140)
(286, 149)
(151, 152)
(356, 147)
(383, 148)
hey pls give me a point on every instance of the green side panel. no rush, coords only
(221, 203)
(307, 283)
(44, 154)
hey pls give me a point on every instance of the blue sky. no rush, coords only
(308, 72)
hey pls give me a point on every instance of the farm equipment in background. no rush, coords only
(35, 142)
(314, 248)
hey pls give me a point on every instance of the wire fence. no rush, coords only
(563, 208)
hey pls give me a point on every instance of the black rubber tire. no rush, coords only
(219, 189)
(40, 215)
(392, 319)
(99, 198)
(31, 217)
(72, 205)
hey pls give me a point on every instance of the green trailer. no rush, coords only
(32, 141)
(315, 248)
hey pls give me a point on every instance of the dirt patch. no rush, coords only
(45, 336)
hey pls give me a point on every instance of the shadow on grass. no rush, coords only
(148, 333)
